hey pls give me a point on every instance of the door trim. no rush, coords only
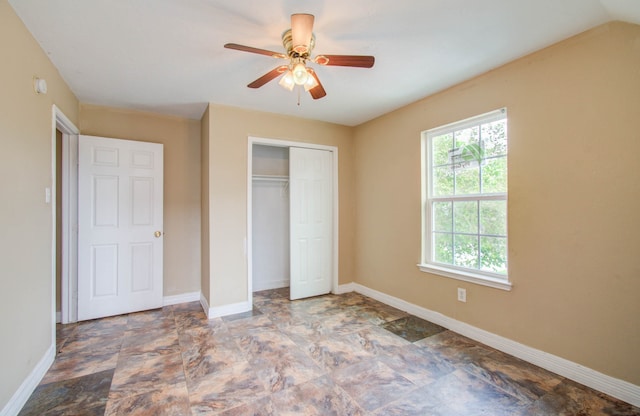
(59, 121)
(249, 238)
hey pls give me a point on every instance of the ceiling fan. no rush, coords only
(298, 43)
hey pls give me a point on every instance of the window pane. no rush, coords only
(494, 138)
(493, 217)
(493, 254)
(441, 146)
(465, 216)
(443, 181)
(494, 175)
(442, 216)
(443, 248)
(466, 251)
(467, 136)
(468, 180)
(467, 152)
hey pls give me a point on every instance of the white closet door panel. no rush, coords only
(311, 181)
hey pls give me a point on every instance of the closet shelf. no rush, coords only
(272, 178)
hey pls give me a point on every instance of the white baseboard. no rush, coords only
(346, 288)
(182, 298)
(29, 384)
(218, 311)
(58, 317)
(204, 304)
(617, 388)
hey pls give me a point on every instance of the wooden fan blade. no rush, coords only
(254, 50)
(317, 91)
(268, 77)
(301, 31)
(359, 61)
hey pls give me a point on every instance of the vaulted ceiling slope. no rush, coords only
(167, 56)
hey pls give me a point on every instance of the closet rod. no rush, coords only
(272, 178)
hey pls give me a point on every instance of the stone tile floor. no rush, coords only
(329, 355)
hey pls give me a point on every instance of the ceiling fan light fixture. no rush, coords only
(311, 83)
(287, 80)
(300, 74)
(298, 42)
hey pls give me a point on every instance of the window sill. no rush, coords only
(466, 276)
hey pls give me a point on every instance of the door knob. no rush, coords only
(157, 234)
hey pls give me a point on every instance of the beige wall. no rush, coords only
(181, 140)
(26, 223)
(227, 188)
(574, 191)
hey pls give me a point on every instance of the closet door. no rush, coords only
(311, 222)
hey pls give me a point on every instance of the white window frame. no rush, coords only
(427, 265)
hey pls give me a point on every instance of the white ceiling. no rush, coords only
(167, 56)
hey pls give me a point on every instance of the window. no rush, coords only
(465, 200)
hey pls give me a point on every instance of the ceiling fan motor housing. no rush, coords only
(298, 51)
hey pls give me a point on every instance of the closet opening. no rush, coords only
(292, 217)
(270, 217)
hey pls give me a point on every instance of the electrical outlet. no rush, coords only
(462, 294)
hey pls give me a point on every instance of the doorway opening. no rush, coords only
(64, 149)
(58, 225)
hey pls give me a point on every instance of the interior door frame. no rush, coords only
(249, 239)
(69, 277)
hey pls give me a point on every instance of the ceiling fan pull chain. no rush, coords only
(298, 96)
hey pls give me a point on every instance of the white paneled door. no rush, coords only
(311, 222)
(120, 210)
